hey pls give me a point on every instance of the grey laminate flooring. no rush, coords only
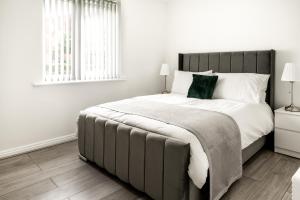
(56, 173)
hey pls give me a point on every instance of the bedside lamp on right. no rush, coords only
(291, 74)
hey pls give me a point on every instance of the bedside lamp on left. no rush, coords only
(165, 71)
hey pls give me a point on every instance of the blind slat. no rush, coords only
(110, 40)
(61, 42)
(105, 39)
(83, 41)
(56, 37)
(97, 38)
(68, 34)
(102, 55)
(114, 40)
(117, 42)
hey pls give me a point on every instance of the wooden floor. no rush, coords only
(56, 173)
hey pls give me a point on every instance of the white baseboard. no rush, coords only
(36, 146)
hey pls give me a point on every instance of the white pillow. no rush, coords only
(244, 87)
(183, 80)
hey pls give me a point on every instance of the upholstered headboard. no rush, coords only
(262, 62)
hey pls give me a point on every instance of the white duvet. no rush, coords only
(254, 121)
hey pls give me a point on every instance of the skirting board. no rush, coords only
(36, 146)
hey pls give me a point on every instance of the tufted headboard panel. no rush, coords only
(262, 62)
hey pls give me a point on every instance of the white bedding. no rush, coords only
(254, 121)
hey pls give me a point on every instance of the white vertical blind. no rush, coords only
(81, 40)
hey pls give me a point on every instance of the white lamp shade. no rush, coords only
(290, 73)
(165, 70)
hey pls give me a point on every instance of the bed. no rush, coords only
(165, 160)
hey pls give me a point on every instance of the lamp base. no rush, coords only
(292, 108)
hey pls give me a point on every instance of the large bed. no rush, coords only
(163, 158)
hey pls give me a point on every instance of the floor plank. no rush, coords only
(98, 191)
(12, 168)
(57, 173)
(76, 174)
(123, 194)
(70, 189)
(259, 166)
(31, 191)
(57, 155)
(274, 186)
(242, 189)
(20, 182)
(127, 193)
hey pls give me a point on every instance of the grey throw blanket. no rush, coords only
(218, 134)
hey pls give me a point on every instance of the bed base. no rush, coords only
(152, 163)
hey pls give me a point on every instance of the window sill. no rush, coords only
(40, 84)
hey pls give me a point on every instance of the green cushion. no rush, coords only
(202, 86)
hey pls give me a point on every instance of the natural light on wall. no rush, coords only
(81, 40)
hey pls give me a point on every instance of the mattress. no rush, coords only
(253, 120)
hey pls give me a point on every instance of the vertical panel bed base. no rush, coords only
(151, 163)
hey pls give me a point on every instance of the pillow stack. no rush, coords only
(243, 87)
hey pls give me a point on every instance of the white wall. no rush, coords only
(31, 114)
(153, 32)
(218, 25)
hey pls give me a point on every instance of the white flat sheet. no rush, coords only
(254, 121)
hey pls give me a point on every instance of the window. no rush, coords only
(81, 40)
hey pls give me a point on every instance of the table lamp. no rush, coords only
(165, 71)
(291, 74)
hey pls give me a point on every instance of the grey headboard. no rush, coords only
(262, 62)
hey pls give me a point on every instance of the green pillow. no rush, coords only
(202, 86)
